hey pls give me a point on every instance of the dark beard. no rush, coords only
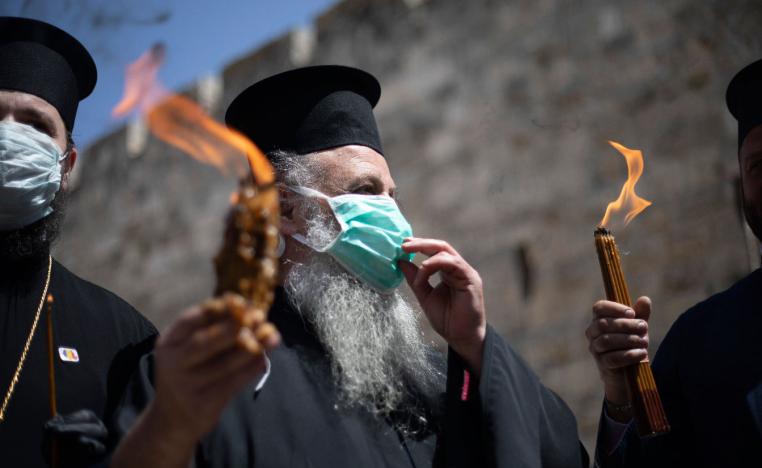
(36, 239)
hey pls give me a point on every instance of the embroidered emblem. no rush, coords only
(68, 354)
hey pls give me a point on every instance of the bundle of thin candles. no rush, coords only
(647, 409)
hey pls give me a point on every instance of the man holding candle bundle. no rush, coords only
(708, 369)
(353, 384)
(97, 337)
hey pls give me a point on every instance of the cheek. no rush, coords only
(752, 189)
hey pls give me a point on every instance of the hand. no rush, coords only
(80, 438)
(455, 306)
(618, 338)
(205, 358)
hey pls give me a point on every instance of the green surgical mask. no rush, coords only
(370, 242)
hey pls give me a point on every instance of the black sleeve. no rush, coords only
(125, 363)
(662, 451)
(137, 394)
(508, 418)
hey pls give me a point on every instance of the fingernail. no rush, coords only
(642, 325)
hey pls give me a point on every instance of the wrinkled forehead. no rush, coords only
(21, 103)
(340, 167)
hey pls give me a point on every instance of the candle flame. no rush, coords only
(628, 201)
(182, 123)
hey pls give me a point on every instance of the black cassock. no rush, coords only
(107, 335)
(709, 373)
(508, 418)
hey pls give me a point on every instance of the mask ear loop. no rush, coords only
(308, 193)
(281, 245)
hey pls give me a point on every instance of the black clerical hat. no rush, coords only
(309, 109)
(40, 59)
(744, 99)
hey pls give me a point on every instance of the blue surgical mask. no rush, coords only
(30, 175)
(370, 242)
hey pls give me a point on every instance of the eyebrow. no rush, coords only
(373, 179)
(41, 117)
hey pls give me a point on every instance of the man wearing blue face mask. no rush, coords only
(354, 384)
(97, 337)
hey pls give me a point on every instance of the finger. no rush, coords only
(253, 316)
(235, 306)
(612, 309)
(619, 359)
(236, 377)
(188, 322)
(210, 341)
(417, 280)
(225, 366)
(79, 416)
(643, 308)
(248, 342)
(409, 270)
(92, 446)
(265, 332)
(429, 268)
(455, 272)
(608, 342)
(427, 246)
(620, 325)
(267, 335)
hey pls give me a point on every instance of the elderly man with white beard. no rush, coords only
(353, 382)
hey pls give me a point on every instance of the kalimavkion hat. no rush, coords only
(744, 99)
(43, 60)
(309, 109)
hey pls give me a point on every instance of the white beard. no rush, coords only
(374, 343)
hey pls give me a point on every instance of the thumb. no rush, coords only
(642, 308)
(409, 270)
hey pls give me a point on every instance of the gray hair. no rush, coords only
(292, 169)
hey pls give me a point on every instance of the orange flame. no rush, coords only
(180, 122)
(628, 200)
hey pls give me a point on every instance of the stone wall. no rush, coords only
(495, 117)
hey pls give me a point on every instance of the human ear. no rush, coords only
(68, 166)
(288, 213)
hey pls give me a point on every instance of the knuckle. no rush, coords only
(616, 360)
(199, 340)
(602, 324)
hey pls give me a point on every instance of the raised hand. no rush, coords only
(618, 338)
(455, 306)
(207, 356)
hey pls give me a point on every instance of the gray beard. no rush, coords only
(375, 345)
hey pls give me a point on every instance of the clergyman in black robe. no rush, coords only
(97, 337)
(353, 383)
(708, 368)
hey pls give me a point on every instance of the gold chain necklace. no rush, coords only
(20, 366)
